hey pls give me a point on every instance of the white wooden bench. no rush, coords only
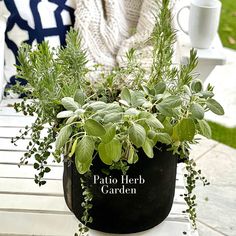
(26, 209)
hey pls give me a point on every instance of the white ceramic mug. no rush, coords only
(204, 20)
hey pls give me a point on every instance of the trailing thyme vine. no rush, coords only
(86, 205)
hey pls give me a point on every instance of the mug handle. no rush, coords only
(178, 21)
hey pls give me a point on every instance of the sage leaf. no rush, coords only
(63, 136)
(65, 114)
(109, 135)
(131, 112)
(79, 97)
(113, 107)
(92, 127)
(154, 123)
(184, 130)
(144, 114)
(163, 138)
(84, 150)
(79, 112)
(71, 119)
(73, 148)
(160, 87)
(137, 135)
(205, 129)
(171, 101)
(206, 94)
(69, 104)
(125, 95)
(164, 110)
(109, 152)
(124, 102)
(112, 117)
(137, 98)
(98, 105)
(214, 106)
(196, 86)
(83, 167)
(148, 148)
(131, 155)
(197, 111)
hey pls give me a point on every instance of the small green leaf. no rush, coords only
(123, 102)
(79, 112)
(144, 114)
(197, 111)
(73, 148)
(84, 150)
(148, 148)
(110, 152)
(79, 97)
(196, 86)
(154, 123)
(151, 134)
(164, 110)
(215, 107)
(92, 127)
(65, 114)
(164, 138)
(137, 98)
(125, 95)
(69, 104)
(160, 87)
(147, 104)
(137, 135)
(171, 101)
(184, 130)
(131, 112)
(71, 119)
(114, 107)
(63, 136)
(109, 135)
(205, 129)
(112, 117)
(84, 167)
(206, 94)
(131, 155)
(98, 105)
(187, 90)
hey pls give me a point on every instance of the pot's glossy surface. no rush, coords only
(142, 201)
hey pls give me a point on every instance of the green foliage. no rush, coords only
(125, 110)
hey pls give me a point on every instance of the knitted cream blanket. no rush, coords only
(109, 28)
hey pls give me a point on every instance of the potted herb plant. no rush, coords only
(120, 139)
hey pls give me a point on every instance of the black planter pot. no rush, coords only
(126, 213)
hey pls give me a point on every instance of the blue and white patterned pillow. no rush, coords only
(33, 21)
